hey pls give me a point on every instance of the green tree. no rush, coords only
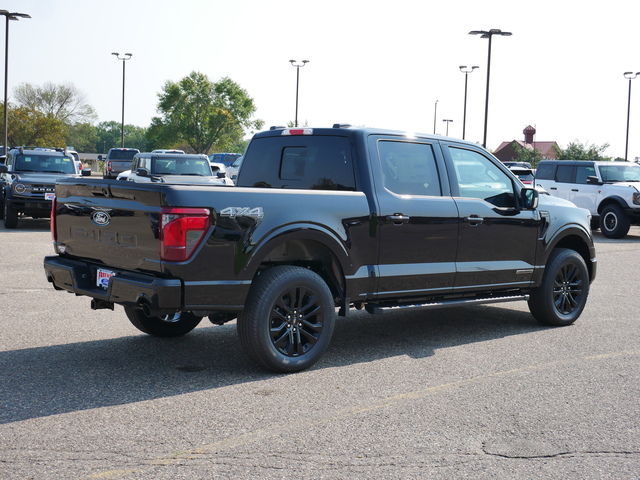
(63, 102)
(522, 154)
(30, 127)
(83, 137)
(202, 113)
(581, 151)
(109, 135)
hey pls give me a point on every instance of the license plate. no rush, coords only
(103, 276)
(49, 196)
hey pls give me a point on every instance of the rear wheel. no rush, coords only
(288, 319)
(174, 325)
(562, 296)
(614, 223)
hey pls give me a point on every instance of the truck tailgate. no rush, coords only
(109, 221)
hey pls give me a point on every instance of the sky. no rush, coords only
(388, 64)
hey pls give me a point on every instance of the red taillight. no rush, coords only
(109, 166)
(181, 232)
(52, 217)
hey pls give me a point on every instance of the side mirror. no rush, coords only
(529, 198)
(142, 172)
(86, 172)
(3, 168)
(593, 180)
(221, 174)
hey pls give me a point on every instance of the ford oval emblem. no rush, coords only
(101, 218)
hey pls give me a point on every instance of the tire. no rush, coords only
(288, 320)
(166, 326)
(562, 296)
(614, 223)
(10, 215)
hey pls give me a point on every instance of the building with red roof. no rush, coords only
(506, 151)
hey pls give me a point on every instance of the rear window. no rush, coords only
(122, 154)
(307, 162)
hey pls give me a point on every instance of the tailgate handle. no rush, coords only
(99, 191)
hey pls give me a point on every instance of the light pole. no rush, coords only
(9, 16)
(466, 70)
(448, 122)
(629, 76)
(124, 58)
(298, 67)
(488, 34)
(435, 111)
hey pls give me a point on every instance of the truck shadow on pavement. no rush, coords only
(45, 381)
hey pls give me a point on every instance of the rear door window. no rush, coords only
(546, 171)
(565, 173)
(409, 168)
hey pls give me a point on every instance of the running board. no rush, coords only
(375, 309)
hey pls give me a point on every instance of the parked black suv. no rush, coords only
(28, 181)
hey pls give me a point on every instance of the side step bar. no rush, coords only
(376, 309)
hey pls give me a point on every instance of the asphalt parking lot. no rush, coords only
(473, 393)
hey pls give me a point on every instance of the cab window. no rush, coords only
(408, 168)
(478, 177)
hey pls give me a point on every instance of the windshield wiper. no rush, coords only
(53, 171)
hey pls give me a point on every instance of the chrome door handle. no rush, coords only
(473, 220)
(398, 219)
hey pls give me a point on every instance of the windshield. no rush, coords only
(620, 173)
(44, 163)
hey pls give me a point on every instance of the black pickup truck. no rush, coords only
(322, 220)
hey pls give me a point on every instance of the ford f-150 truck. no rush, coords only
(322, 220)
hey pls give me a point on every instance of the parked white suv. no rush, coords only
(609, 190)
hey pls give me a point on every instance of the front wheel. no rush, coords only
(288, 319)
(614, 223)
(10, 215)
(562, 296)
(174, 325)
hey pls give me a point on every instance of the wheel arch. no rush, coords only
(310, 246)
(574, 239)
(614, 199)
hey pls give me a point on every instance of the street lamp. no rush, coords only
(124, 58)
(448, 121)
(466, 70)
(488, 34)
(298, 67)
(435, 111)
(629, 76)
(9, 16)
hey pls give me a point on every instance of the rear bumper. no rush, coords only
(159, 295)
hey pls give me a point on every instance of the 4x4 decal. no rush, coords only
(252, 212)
